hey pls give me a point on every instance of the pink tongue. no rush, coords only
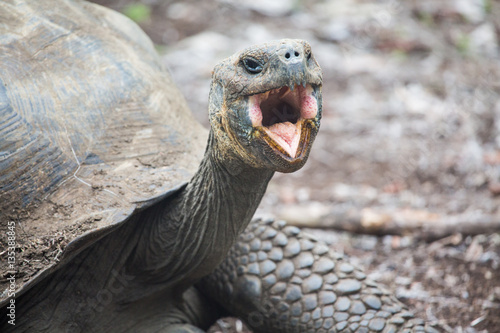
(284, 130)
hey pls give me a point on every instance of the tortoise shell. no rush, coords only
(92, 129)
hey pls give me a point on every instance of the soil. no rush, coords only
(411, 123)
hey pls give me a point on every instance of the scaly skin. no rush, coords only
(279, 279)
(138, 277)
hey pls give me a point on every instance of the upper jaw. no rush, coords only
(284, 118)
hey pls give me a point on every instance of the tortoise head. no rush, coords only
(265, 104)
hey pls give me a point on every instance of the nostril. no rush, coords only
(291, 53)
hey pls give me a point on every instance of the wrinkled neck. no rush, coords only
(191, 235)
(220, 200)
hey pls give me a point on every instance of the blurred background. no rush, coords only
(404, 176)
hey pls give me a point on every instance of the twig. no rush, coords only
(421, 224)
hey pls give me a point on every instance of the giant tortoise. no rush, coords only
(113, 217)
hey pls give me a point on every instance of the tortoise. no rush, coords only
(123, 222)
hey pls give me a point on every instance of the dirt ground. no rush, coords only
(408, 155)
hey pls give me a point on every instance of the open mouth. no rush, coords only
(284, 117)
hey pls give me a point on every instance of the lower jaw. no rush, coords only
(308, 128)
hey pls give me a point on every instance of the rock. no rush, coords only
(273, 8)
(335, 31)
(494, 188)
(483, 40)
(472, 10)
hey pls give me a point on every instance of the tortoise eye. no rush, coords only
(252, 66)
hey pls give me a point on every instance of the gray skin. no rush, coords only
(193, 257)
(161, 270)
(280, 279)
(153, 258)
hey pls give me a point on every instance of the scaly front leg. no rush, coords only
(279, 279)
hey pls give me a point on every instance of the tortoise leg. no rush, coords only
(279, 279)
(182, 328)
(195, 314)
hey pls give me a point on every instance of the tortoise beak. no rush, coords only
(285, 118)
